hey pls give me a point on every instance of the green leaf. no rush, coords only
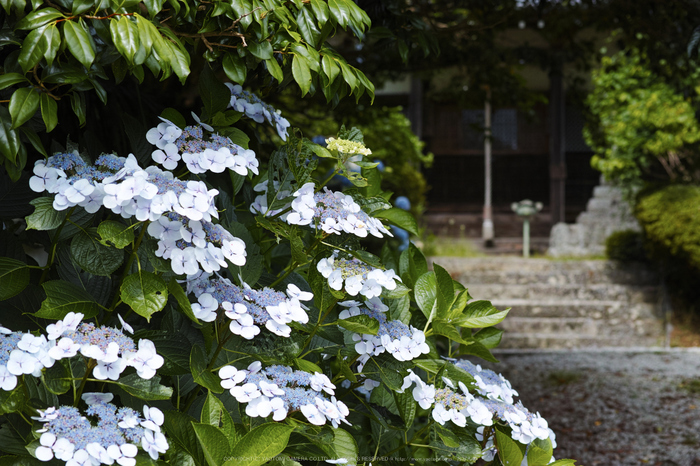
(115, 234)
(180, 431)
(345, 446)
(78, 42)
(307, 366)
(38, 18)
(480, 314)
(539, 452)
(446, 290)
(125, 36)
(181, 297)
(49, 112)
(389, 375)
(212, 410)
(44, 217)
(77, 102)
(33, 47)
(81, 6)
(214, 444)
(23, 105)
(260, 444)
(412, 264)
(426, 294)
(202, 375)
(33, 138)
(360, 324)
(339, 11)
(330, 67)
(301, 73)
(234, 68)
(63, 297)
(57, 378)
(261, 50)
(490, 337)
(563, 462)
(10, 79)
(307, 26)
(477, 349)
(174, 117)
(146, 293)
(274, 69)
(14, 277)
(508, 450)
(93, 256)
(215, 95)
(406, 406)
(11, 401)
(150, 389)
(9, 139)
(400, 218)
(51, 42)
(448, 330)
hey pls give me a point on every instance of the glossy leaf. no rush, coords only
(63, 297)
(235, 68)
(146, 293)
(49, 112)
(23, 105)
(14, 277)
(78, 42)
(51, 42)
(215, 95)
(400, 218)
(38, 18)
(301, 73)
(10, 79)
(32, 49)
(426, 294)
(479, 314)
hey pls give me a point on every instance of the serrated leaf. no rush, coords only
(362, 324)
(214, 444)
(57, 378)
(115, 234)
(78, 42)
(146, 293)
(44, 217)
(181, 297)
(406, 406)
(179, 429)
(150, 389)
(93, 256)
(508, 450)
(539, 452)
(448, 330)
(260, 444)
(14, 277)
(63, 297)
(307, 366)
(202, 375)
(480, 314)
(23, 105)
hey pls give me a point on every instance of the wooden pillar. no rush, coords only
(557, 144)
(415, 106)
(487, 225)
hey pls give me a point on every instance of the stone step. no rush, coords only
(513, 270)
(611, 329)
(594, 291)
(548, 341)
(572, 308)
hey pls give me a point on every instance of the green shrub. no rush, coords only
(625, 246)
(670, 218)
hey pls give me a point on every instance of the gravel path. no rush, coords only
(614, 407)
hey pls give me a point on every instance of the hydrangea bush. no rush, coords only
(211, 305)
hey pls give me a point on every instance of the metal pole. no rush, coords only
(487, 226)
(526, 238)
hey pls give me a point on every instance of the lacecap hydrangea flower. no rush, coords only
(332, 212)
(254, 108)
(248, 308)
(280, 390)
(69, 436)
(356, 276)
(200, 151)
(20, 354)
(402, 341)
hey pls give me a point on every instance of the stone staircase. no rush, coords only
(566, 304)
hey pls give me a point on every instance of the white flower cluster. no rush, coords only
(180, 211)
(257, 110)
(260, 204)
(200, 154)
(347, 147)
(69, 436)
(403, 342)
(333, 212)
(22, 353)
(279, 390)
(248, 308)
(356, 276)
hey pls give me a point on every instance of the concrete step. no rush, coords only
(581, 327)
(595, 291)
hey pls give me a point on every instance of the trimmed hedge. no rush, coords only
(625, 246)
(670, 218)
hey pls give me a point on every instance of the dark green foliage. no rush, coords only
(625, 246)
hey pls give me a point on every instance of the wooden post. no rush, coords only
(557, 146)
